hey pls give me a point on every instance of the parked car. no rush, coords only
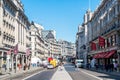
(50, 66)
(79, 63)
(45, 63)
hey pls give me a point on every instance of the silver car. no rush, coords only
(78, 63)
(50, 66)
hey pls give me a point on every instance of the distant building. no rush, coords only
(39, 47)
(49, 34)
(68, 48)
(50, 37)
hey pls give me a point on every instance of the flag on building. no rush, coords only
(9, 51)
(93, 46)
(15, 49)
(27, 52)
(101, 41)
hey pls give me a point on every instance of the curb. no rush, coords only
(4, 76)
(109, 73)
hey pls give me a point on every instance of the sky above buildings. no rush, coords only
(63, 16)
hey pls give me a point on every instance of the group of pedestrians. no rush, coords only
(112, 67)
(107, 67)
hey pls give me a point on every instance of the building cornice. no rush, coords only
(99, 8)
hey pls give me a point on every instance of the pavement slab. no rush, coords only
(61, 74)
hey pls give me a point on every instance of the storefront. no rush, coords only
(106, 58)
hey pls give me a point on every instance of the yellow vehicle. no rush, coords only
(53, 62)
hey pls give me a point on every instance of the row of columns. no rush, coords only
(12, 62)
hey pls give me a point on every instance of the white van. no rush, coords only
(79, 63)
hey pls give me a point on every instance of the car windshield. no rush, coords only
(79, 61)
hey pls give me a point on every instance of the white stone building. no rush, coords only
(103, 22)
(13, 28)
(38, 45)
(83, 36)
(67, 48)
(54, 46)
(80, 42)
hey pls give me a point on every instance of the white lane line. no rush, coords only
(33, 75)
(92, 75)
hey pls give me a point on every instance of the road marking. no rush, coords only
(92, 75)
(77, 69)
(69, 66)
(33, 75)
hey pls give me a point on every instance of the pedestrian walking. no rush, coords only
(38, 64)
(60, 66)
(111, 67)
(115, 65)
(29, 66)
(96, 66)
(88, 65)
(4, 66)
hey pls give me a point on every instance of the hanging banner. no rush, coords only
(9, 52)
(101, 41)
(93, 46)
(27, 52)
(16, 49)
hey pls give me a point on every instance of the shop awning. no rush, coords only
(109, 54)
(99, 55)
(95, 56)
(104, 54)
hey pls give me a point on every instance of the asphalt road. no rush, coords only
(22, 75)
(42, 75)
(76, 74)
(82, 74)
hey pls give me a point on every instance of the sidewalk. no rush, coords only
(61, 75)
(20, 72)
(106, 72)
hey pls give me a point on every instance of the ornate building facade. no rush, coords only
(13, 28)
(54, 46)
(67, 48)
(80, 42)
(103, 37)
(105, 32)
(39, 47)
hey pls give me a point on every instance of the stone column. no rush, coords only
(2, 58)
(16, 62)
(26, 62)
(22, 61)
(1, 62)
(8, 63)
(85, 59)
(12, 66)
(116, 9)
